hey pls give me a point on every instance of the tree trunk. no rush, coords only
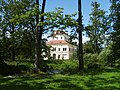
(37, 43)
(42, 28)
(80, 55)
(38, 39)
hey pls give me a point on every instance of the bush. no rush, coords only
(13, 68)
(53, 64)
(66, 66)
(91, 60)
(69, 66)
(117, 63)
(105, 57)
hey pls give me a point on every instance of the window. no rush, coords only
(64, 49)
(61, 37)
(69, 49)
(54, 49)
(58, 56)
(54, 56)
(58, 49)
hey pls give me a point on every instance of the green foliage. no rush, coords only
(89, 47)
(70, 67)
(4, 49)
(106, 57)
(54, 64)
(16, 67)
(117, 63)
(97, 27)
(66, 66)
(91, 60)
(16, 39)
(115, 34)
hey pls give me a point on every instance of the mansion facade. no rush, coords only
(60, 46)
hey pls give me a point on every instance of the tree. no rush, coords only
(98, 27)
(80, 53)
(38, 39)
(115, 34)
(4, 40)
(13, 32)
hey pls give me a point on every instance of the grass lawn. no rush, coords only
(108, 79)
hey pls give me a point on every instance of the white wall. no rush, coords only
(63, 54)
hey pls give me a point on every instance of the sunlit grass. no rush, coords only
(106, 80)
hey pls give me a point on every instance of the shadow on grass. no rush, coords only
(106, 81)
(97, 71)
(6, 69)
(97, 83)
(91, 79)
(37, 83)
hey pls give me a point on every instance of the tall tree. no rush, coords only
(10, 9)
(80, 54)
(39, 32)
(115, 35)
(98, 27)
(7, 26)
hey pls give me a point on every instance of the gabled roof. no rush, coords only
(54, 42)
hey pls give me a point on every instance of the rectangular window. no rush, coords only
(64, 49)
(58, 56)
(58, 49)
(54, 49)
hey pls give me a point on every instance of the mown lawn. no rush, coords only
(108, 79)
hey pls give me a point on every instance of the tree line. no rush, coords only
(23, 22)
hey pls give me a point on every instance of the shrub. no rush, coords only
(117, 63)
(105, 57)
(69, 66)
(66, 66)
(91, 60)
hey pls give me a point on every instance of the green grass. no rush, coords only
(106, 79)
(69, 79)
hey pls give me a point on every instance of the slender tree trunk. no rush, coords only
(80, 56)
(37, 43)
(38, 38)
(41, 28)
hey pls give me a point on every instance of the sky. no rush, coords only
(70, 6)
